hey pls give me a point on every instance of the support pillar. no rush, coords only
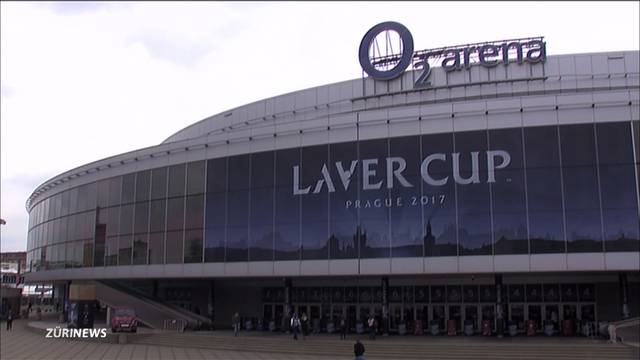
(499, 310)
(624, 295)
(287, 302)
(385, 305)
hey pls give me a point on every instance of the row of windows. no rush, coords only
(510, 191)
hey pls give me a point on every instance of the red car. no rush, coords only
(123, 319)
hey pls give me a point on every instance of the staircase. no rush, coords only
(149, 311)
(400, 347)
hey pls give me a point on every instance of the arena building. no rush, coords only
(490, 184)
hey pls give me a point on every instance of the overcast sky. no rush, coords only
(85, 81)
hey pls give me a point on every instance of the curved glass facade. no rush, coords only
(547, 189)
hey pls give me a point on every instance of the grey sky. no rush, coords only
(84, 81)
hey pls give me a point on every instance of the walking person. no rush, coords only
(295, 325)
(343, 328)
(9, 320)
(372, 327)
(358, 350)
(304, 320)
(236, 324)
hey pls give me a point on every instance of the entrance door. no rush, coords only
(395, 316)
(534, 312)
(278, 317)
(516, 316)
(455, 313)
(471, 315)
(352, 317)
(552, 314)
(488, 314)
(439, 315)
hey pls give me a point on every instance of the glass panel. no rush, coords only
(214, 244)
(140, 249)
(157, 218)
(614, 143)
(193, 246)
(343, 223)
(126, 219)
(124, 254)
(578, 145)
(238, 221)
(175, 214)
(261, 222)
(115, 188)
(195, 212)
(103, 193)
(156, 248)
(621, 231)
(143, 185)
(405, 207)
(287, 209)
(128, 188)
(217, 175)
(583, 231)
(583, 213)
(438, 200)
(215, 224)
(239, 172)
(374, 239)
(141, 218)
(262, 170)
(474, 229)
(159, 183)
(174, 247)
(314, 206)
(508, 193)
(195, 177)
(176, 180)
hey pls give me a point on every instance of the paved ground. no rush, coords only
(21, 343)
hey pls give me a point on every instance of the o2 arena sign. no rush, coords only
(386, 51)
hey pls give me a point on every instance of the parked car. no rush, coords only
(123, 319)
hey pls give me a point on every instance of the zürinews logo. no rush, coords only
(59, 332)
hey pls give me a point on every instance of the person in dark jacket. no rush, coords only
(358, 350)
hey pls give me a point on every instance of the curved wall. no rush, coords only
(528, 168)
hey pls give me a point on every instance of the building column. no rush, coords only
(624, 294)
(499, 310)
(385, 305)
(287, 302)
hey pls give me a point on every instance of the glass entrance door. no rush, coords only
(471, 316)
(534, 312)
(552, 315)
(439, 315)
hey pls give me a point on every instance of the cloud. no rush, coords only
(6, 91)
(14, 232)
(177, 48)
(77, 7)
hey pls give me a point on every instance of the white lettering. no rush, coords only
(475, 173)
(424, 170)
(397, 172)
(296, 182)
(491, 166)
(367, 172)
(345, 176)
(326, 178)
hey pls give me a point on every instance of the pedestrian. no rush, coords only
(295, 325)
(372, 327)
(358, 350)
(304, 320)
(236, 323)
(29, 307)
(9, 320)
(343, 328)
